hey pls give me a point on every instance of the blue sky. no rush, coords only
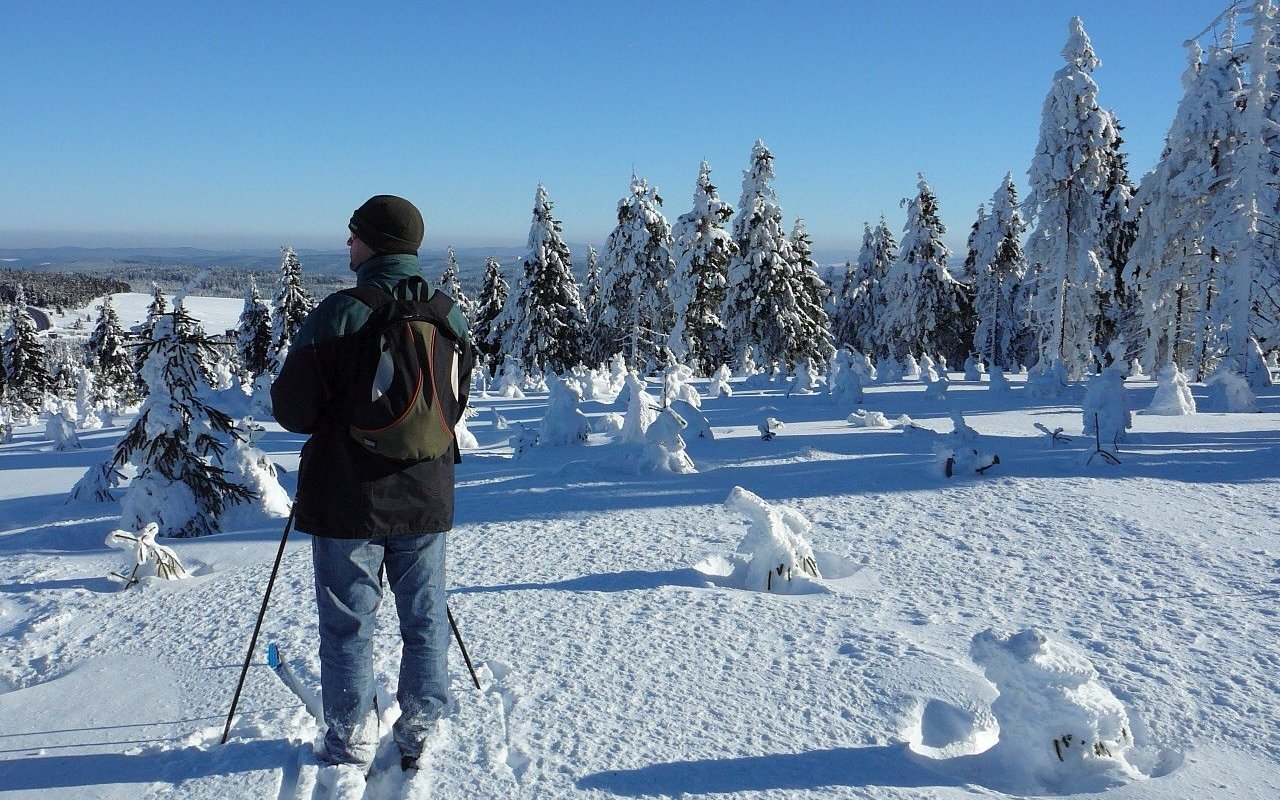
(258, 124)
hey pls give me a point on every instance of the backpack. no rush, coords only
(407, 391)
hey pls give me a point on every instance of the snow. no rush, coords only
(618, 658)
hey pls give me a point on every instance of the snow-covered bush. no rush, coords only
(869, 419)
(61, 432)
(1229, 390)
(1256, 370)
(664, 447)
(926, 370)
(1061, 730)
(769, 427)
(911, 368)
(889, 370)
(776, 544)
(642, 410)
(806, 380)
(676, 385)
(935, 388)
(1173, 395)
(719, 383)
(997, 382)
(1048, 379)
(509, 379)
(564, 422)
(462, 432)
(698, 425)
(1105, 408)
(962, 451)
(973, 368)
(150, 560)
(846, 381)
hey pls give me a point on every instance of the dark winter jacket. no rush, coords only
(344, 491)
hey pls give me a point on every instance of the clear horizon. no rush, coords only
(243, 126)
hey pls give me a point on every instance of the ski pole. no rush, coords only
(458, 636)
(253, 640)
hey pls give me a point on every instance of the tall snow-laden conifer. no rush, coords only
(451, 284)
(1069, 178)
(998, 268)
(545, 323)
(592, 303)
(27, 378)
(1116, 319)
(1175, 264)
(488, 328)
(114, 383)
(922, 313)
(253, 335)
(763, 310)
(811, 293)
(1246, 224)
(635, 274)
(290, 308)
(703, 249)
(178, 436)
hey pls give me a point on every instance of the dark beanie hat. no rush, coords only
(388, 224)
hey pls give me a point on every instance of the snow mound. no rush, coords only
(1061, 730)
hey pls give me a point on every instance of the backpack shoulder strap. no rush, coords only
(371, 296)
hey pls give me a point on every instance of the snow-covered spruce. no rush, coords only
(1229, 390)
(543, 327)
(1061, 730)
(254, 335)
(636, 270)
(488, 330)
(1172, 396)
(642, 410)
(702, 249)
(776, 547)
(289, 309)
(719, 383)
(846, 380)
(61, 432)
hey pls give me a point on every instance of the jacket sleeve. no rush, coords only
(299, 395)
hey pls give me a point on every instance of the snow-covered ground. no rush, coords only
(1138, 603)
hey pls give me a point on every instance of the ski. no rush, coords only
(290, 679)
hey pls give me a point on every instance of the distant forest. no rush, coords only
(59, 290)
(66, 290)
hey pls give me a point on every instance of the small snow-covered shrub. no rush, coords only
(973, 368)
(508, 380)
(806, 380)
(677, 386)
(962, 452)
(149, 559)
(845, 381)
(776, 544)
(462, 432)
(719, 383)
(1256, 370)
(564, 422)
(1061, 730)
(911, 368)
(1173, 395)
(642, 410)
(997, 382)
(926, 371)
(869, 419)
(1229, 390)
(62, 432)
(769, 427)
(889, 371)
(697, 422)
(664, 447)
(1047, 380)
(1105, 410)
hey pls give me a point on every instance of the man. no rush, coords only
(367, 514)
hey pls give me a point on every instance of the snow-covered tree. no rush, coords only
(451, 284)
(814, 342)
(27, 378)
(921, 312)
(703, 249)
(635, 274)
(545, 325)
(178, 437)
(114, 383)
(290, 308)
(1118, 303)
(253, 335)
(592, 303)
(765, 311)
(998, 268)
(1069, 178)
(493, 299)
(1170, 264)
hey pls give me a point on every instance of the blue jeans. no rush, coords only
(348, 591)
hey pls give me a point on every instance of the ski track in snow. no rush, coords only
(611, 667)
